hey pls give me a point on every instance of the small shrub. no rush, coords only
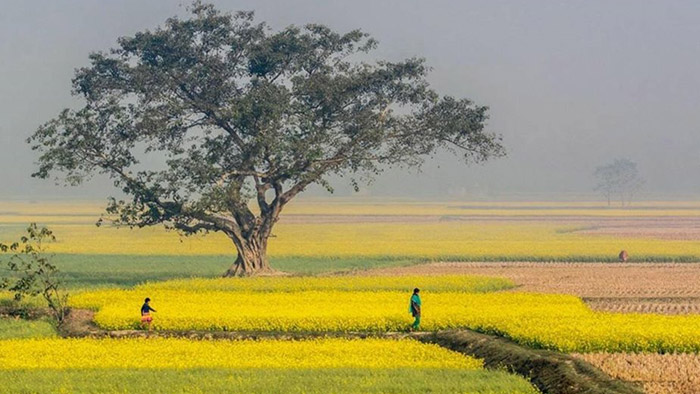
(32, 273)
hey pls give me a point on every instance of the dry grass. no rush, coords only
(658, 373)
(635, 287)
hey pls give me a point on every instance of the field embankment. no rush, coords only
(550, 372)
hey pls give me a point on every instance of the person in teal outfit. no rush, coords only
(414, 308)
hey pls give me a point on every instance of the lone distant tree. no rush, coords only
(200, 117)
(619, 178)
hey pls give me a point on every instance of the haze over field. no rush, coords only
(571, 86)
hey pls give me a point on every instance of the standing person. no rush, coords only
(415, 309)
(146, 317)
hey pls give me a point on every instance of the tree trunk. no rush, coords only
(252, 258)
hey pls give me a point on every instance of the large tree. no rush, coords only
(239, 119)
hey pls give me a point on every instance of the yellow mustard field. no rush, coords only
(160, 353)
(558, 322)
(432, 240)
(471, 240)
(441, 283)
(453, 230)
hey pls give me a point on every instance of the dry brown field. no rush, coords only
(657, 373)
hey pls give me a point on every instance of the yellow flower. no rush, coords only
(184, 353)
(559, 322)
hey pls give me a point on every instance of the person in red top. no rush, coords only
(146, 310)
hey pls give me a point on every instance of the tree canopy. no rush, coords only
(232, 112)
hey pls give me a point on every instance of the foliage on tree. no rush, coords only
(196, 119)
(31, 272)
(620, 178)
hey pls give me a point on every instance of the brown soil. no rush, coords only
(658, 373)
(79, 323)
(670, 288)
(666, 306)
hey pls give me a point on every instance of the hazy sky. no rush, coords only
(571, 85)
